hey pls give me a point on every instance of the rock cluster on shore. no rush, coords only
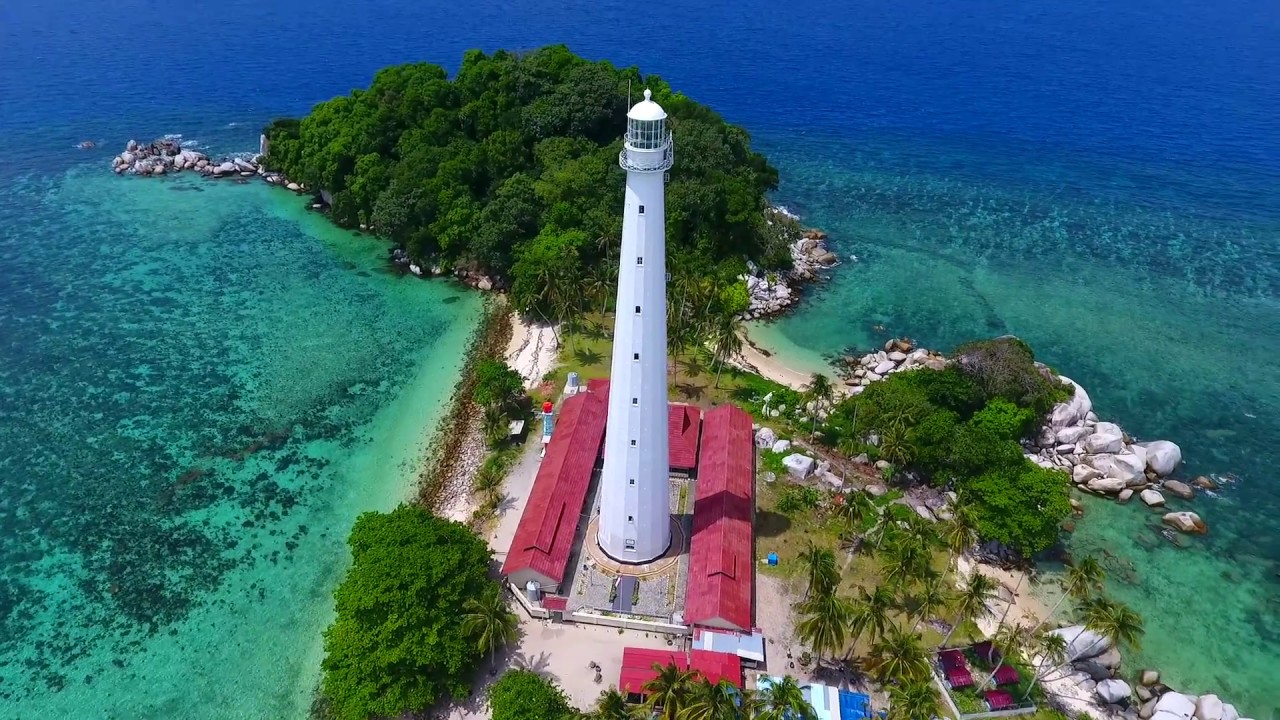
(1093, 664)
(898, 354)
(771, 292)
(1103, 459)
(166, 156)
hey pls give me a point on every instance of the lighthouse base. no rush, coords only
(678, 546)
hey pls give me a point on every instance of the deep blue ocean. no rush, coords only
(200, 387)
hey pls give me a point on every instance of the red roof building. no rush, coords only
(721, 567)
(544, 537)
(637, 667)
(684, 425)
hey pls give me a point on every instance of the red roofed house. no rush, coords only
(721, 567)
(544, 537)
(637, 667)
(684, 423)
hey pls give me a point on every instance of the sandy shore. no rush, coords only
(753, 359)
(532, 350)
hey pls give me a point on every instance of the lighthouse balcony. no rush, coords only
(656, 160)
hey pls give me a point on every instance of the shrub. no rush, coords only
(798, 498)
(410, 573)
(1005, 367)
(1020, 506)
(526, 695)
(497, 385)
(1004, 419)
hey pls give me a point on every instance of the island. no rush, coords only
(865, 542)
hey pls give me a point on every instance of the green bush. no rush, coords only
(497, 385)
(798, 498)
(1005, 368)
(396, 645)
(526, 695)
(1020, 506)
(1004, 419)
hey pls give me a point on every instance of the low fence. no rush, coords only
(627, 623)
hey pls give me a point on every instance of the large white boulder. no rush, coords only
(1074, 434)
(1177, 705)
(1229, 712)
(884, 367)
(798, 465)
(1106, 438)
(1209, 707)
(781, 446)
(1163, 457)
(1107, 485)
(1125, 466)
(1082, 643)
(1152, 498)
(1082, 474)
(1187, 522)
(1073, 411)
(1115, 691)
(766, 437)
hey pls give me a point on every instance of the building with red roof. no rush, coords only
(544, 537)
(721, 567)
(684, 425)
(637, 667)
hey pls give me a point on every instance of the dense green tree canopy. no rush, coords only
(516, 157)
(397, 644)
(960, 427)
(526, 695)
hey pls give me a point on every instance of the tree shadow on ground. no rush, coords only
(539, 663)
(505, 505)
(690, 391)
(585, 356)
(770, 524)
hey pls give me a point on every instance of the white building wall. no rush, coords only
(635, 496)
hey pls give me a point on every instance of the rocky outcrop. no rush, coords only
(771, 292)
(1163, 457)
(800, 466)
(1179, 489)
(1082, 643)
(1113, 691)
(898, 354)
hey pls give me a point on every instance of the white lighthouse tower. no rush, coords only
(635, 494)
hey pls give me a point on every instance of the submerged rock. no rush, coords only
(1187, 522)
(1180, 489)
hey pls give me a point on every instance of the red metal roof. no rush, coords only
(683, 428)
(684, 424)
(720, 555)
(544, 536)
(637, 666)
(555, 602)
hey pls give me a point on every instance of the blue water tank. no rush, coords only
(773, 558)
(573, 382)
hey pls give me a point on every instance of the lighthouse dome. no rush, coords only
(647, 110)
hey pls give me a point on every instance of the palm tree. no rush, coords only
(1010, 641)
(611, 705)
(884, 529)
(1114, 621)
(899, 658)
(667, 690)
(490, 622)
(904, 560)
(784, 700)
(820, 567)
(824, 622)
(972, 602)
(711, 701)
(726, 340)
(957, 534)
(820, 392)
(1082, 580)
(600, 286)
(933, 596)
(1052, 649)
(871, 615)
(895, 447)
(914, 701)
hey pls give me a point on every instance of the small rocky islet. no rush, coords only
(166, 156)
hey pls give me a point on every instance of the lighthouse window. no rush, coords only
(635, 401)
(630, 545)
(632, 481)
(641, 209)
(633, 443)
(631, 518)
(637, 309)
(635, 356)
(639, 260)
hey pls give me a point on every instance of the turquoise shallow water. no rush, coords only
(1160, 299)
(202, 385)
